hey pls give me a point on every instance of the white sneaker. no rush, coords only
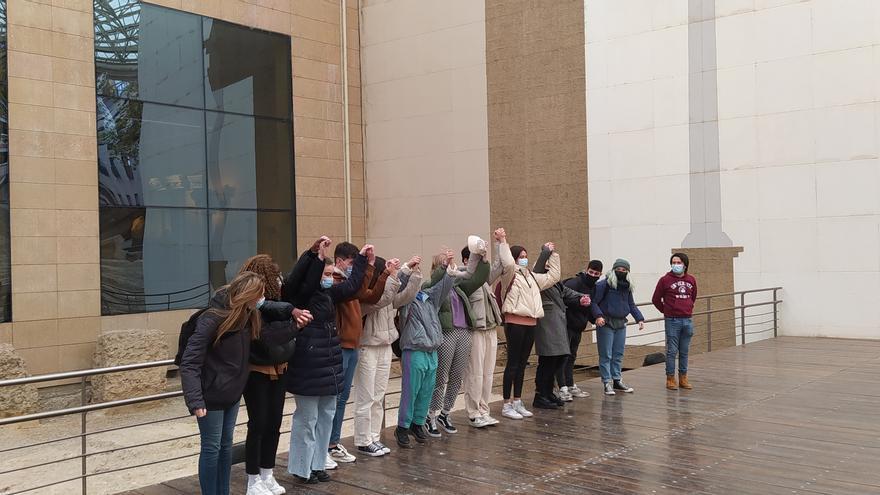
(508, 411)
(564, 395)
(272, 485)
(521, 409)
(490, 420)
(258, 488)
(577, 392)
(479, 422)
(330, 464)
(339, 454)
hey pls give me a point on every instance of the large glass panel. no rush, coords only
(246, 70)
(148, 52)
(153, 259)
(149, 154)
(237, 235)
(249, 162)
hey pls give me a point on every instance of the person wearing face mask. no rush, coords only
(613, 303)
(674, 296)
(577, 317)
(519, 291)
(314, 374)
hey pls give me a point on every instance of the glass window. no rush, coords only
(149, 154)
(236, 235)
(246, 71)
(195, 154)
(147, 52)
(153, 259)
(5, 263)
(248, 162)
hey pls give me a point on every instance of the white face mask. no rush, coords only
(523, 262)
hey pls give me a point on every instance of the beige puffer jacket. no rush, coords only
(524, 296)
(379, 326)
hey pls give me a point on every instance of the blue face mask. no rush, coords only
(678, 269)
(523, 262)
(421, 296)
(326, 282)
(261, 302)
(348, 272)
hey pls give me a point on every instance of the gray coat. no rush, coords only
(551, 335)
(420, 321)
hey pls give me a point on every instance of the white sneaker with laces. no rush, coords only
(339, 454)
(258, 488)
(478, 422)
(564, 395)
(490, 420)
(521, 409)
(577, 392)
(330, 464)
(272, 485)
(508, 411)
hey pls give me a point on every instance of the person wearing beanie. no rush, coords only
(577, 318)
(674, 296)
(613, 303)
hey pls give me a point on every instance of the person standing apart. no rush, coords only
(674, 296)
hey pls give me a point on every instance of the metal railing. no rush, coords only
(739, 322)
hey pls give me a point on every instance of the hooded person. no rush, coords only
(613, 303)
(674, 296)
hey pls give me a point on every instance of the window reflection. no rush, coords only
(237, 235)
(153, 259)
(5, 268)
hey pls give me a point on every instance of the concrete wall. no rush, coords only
(427, 163)
(53, 169)
(748, 123)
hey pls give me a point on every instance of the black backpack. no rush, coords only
(186, 331)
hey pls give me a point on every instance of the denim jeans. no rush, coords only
(310, 433)
(611, 344)
(349, 364)
(215, 458)
(678, 342)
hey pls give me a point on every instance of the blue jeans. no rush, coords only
(310, 432)
(678, 341)
(611, 344)
(349, 363)
(215, 460)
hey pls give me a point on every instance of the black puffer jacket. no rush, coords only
(316, 366)
(577, 317)
(278, 336)
(214, 376)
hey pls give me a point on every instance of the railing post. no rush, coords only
(82, 386)
(775, 318)
(742, 317)
(709, 323)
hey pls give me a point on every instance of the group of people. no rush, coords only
(335, 321)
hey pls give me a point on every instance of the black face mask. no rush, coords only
(590, 280)
(621, 275)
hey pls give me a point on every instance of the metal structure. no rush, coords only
(766, 310)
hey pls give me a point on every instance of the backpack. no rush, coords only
(186, 331)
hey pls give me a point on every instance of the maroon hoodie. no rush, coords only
(675, 296)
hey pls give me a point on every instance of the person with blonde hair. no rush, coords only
(214, 371)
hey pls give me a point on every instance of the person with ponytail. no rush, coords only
(674, 296)
(265, 390)
(214, 370)
(613, 303)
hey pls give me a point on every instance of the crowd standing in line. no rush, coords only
(333, 323)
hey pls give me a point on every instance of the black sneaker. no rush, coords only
(402, 436)
(322, 476)
(431, 427)
(556, 400)
(446, 423)
(311, 480)
(619, 385)
(418, 432)
(371, 450)
(542, 402)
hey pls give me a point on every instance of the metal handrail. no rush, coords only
(82, 410)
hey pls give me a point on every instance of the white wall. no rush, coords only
(798, 119)
(425, 123)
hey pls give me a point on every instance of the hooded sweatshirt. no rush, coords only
(674, 296)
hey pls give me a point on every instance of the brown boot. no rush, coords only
(670, 382)
(683, 381)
